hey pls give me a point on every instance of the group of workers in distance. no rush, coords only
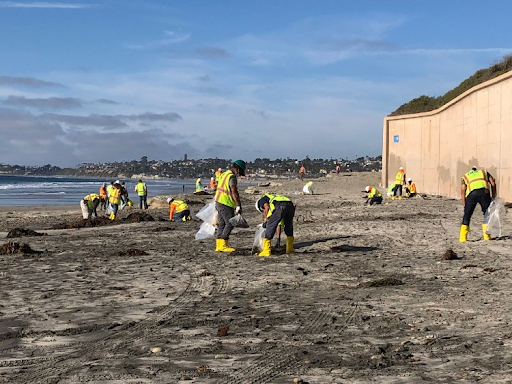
(111, 198)
(395, 190)
(478, 187)
(214, 181)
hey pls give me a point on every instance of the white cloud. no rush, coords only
(171, 38)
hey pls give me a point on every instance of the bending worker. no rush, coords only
(410, 188)
(180, 208)
(199, 186)
(103, 196)
(373, 197)
(478, 187)
(227, 204)
(276, 210)
(89, 204)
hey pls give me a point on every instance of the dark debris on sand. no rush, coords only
(388, 281)
(13, 248)
(450, 255)
(132, 252)
(81, 223)
(19, 232)
(136, 217)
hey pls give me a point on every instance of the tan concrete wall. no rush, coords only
(436, 148)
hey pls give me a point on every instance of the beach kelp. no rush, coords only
(13, 248)
(81, 223)
(136, 217)
(19, 232)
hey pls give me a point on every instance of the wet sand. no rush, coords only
(369, 296)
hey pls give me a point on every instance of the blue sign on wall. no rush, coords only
(396, 139)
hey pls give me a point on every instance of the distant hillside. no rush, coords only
(428, 103)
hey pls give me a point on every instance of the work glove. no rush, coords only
(264, 225)
(238, 210)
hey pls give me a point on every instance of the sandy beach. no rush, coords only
(380, 294)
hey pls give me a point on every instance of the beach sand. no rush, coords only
(369, 296)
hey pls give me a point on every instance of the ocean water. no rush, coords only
(54, 190)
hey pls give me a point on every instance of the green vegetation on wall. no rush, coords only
(428, 103)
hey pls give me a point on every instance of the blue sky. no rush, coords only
(117, 80)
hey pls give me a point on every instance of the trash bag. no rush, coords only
(493, 214)
(109, 210)
(208, 213)
(308, 188)
(238, 221)
(206, 230)
(259, 235)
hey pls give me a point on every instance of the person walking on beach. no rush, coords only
(227, 204)
(399, 183)
(142, 191)
(89, 204)
(114, 199)
(478, 187)
(179, 207)
(302, 172)
(338, 168)
(277, 210)
(373, 197)
(103, 196)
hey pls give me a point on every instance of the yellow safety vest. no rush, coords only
(141, 189)
(412, 188)
(223, 193)
(374, 193)
(476, 180)
(400, 178)
(90, 198)
(179, 206)
(114, 196)
(275, 198)
(199, 186)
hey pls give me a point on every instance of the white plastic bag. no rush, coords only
(208, 213)
(206, 230)
(308, 188)
(109, 210)
(493, 213)
(259, 235)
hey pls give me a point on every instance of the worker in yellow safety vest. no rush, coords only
(179, 207)
(373, 197)
(277, 210)
(227, 204)
(103, 196)
(89, 204)
(114, 199)
(218, 172)
(478, 187)
(399, 183)
(410, 188)
(142, 191)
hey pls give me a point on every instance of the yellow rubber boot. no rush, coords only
(217, 245)
(399, 197)
(224, 246)
(266, 248)
(289, 245)
(464, 229)
(112, 216)
(484, 230)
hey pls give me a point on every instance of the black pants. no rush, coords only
(477, 196)
(397, 190)
(285, 210)
(224, 227)
(376, 200)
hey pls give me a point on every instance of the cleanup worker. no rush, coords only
(218, 172)
(114, 199)
(142, 191)
(478, 187)
(410, 188)
(180, 208)
(89, 204)
(199, 186)
(276, 210)
(124, 195)
(227, 204)
(103, 196)
(399, 183)
(373, 197)
(212, 183)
